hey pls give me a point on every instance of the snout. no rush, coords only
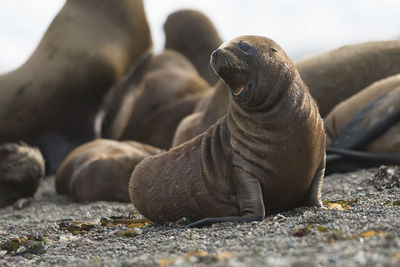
(214, 59)
(215, 54)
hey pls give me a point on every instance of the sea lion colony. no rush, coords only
(232, 154)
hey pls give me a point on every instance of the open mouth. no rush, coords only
(234, 78)
(231, 70)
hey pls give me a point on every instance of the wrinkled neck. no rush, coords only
(282, 107)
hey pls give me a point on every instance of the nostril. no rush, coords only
(215, 54)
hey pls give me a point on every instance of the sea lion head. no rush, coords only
(255, 68)
(21, 169)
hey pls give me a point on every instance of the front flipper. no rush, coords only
(250, 200)
(314, 193)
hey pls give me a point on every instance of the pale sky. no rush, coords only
(301, 27)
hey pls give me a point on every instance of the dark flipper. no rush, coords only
(345, 160)
(210, 221)
(378, 116)
(250, 201)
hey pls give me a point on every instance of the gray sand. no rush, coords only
(365, 231)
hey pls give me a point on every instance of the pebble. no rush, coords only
(227, 244)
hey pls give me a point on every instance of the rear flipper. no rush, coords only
(250, 201)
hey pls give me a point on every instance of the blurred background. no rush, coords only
(301, 27)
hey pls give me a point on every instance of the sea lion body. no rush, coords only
(363, 130)
(169, 92)
(266, 155)
(207, 112)
(335, 75)
(21, 170)
(193, 34)
(385, 91)
(159, 127)
(87, 48)
(100, 170)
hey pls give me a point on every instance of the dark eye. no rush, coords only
(244, 46)
(273, 50)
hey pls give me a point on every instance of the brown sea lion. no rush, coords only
(21, 169)
(266, 155)
(88, 47)
(207, 112)
(100, 170)
(158, 128)
(193, 34)
(119, 101)
(363, 131)
(335, 75)
(168, 93)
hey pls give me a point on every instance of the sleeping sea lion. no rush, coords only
(266, 155)
(363, 131)
(335, 75)
(118, 103)
(100, 170)
(87, 48)
(151, 110)
(193, 34)
(21, 170)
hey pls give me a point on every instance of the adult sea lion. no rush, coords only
(193, 34)
(100, 170)
(335, 75)
(363, 131)
(266, 155)
(87, 48)
(21, 169)
(151, 110)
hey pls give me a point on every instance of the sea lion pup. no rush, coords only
(207, 112)
(100, 170)
(363, 131)
(168, 93)
(21, 169)
(266, 155)
(335, 75)
(86, 49)
(193, 34)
